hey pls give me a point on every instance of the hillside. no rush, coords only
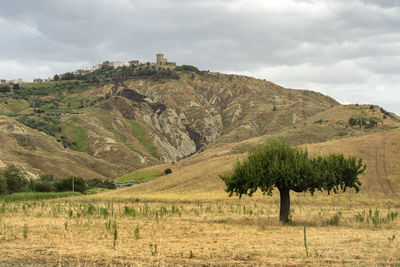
(113, 121)
(198, 175)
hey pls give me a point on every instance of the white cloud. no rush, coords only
(340, 47)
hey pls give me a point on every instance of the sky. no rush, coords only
(347, 49)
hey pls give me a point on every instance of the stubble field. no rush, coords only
(86, 231)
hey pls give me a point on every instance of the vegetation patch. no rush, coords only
(78, 135)
(25, 196)
(140, 177)
(143, 138)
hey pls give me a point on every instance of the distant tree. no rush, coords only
(5, 88)
(16, 86)
(56, 77)
(15, 181)
(3, 184)
(187, 68)
(276, 164)
(68, 76)
(167, 171)
(79, 184)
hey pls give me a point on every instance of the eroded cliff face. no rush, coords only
(144, 121)
(181, 116)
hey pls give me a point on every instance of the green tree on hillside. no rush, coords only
(15, 181)
(3, 184)
(276, 164)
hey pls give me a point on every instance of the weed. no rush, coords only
(153, 249)
(25, 231)
(108, 225)
(334, 220)
(391, 238)
(137, 229)
(129, 211)
(305, 239)
(115, 235)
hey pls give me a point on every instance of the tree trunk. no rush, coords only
(285, 205)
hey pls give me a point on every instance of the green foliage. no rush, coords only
(375, 217)
(80, 184)
(25, 196)
(138, 176)
(78, 136)
(115, 235)
(187, 68)
(96, 182)
(141, 135)
(3, 184)
(47, 124)
(16, 182)
(137, 229)
(153, 249)
(5, 88)
(25, 231)
(365, 122)
(277, 164)
(167, 171)
(334, 220)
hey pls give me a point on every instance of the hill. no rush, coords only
(198, 175)
(113, 121)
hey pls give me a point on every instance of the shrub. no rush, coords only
(3, 185)
(14, 179)
(187, 68)
(5, 88)
(42, 186)
(167, 171)
(63, 185)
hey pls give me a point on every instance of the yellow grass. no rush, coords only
(192, 221)
(219, 233)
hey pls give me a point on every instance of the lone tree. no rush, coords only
(278, 164)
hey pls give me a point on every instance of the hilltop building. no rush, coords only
(17, 81)
(162, 61)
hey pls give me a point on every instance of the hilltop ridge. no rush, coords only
(115, 120)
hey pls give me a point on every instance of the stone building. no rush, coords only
(162, 61)
(134, 62)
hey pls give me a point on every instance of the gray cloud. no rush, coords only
(339, 47)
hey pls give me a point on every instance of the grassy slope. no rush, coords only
(139, 176)
(199, 174)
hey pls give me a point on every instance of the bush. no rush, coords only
(3, 186)
(42, 186)
(167, 171)
(63, 185)
(187, 68)
(15, 181)
(5, 88)
(96, 182)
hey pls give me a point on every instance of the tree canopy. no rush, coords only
(277, 164)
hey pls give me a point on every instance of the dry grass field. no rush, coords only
(88, 232)
(186, 219)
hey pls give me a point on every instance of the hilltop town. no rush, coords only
(161, 62)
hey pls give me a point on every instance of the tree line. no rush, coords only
(13, 181)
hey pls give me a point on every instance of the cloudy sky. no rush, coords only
(348, 49)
